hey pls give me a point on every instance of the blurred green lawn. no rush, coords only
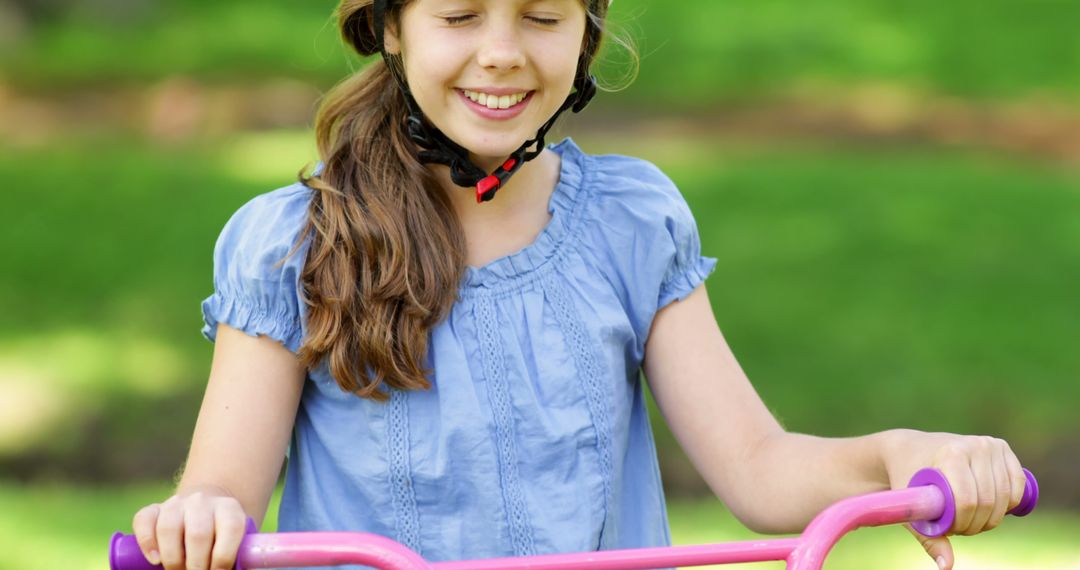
(51, 527)
(861, 288)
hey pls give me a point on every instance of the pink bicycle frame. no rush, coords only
(927, 503)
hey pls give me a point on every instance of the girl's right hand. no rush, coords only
(194, 530)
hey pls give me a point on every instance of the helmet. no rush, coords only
(366, 36)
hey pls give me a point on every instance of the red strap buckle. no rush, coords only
(489, 184)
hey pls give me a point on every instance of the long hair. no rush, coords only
(387, 251)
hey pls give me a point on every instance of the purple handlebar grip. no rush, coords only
(125, 554)
(1030, 498)
(942, 524)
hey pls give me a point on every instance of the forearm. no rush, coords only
(240, 441)
(251, 489)
(789, 478)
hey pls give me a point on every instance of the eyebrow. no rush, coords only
(528, 2)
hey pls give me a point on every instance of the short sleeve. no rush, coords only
(686, 268)
(650, 238)
(256, 281)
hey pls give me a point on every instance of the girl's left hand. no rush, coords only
(984, 473)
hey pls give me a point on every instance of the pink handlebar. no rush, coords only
(927, 503)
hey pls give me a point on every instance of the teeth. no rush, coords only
(495, 101)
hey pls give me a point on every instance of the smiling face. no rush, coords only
(489, 73)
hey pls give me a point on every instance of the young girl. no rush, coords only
(444, 327)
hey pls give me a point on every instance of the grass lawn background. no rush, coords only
(863, 285)
(862, 289)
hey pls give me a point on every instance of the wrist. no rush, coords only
(895, 452)
(875, 448)
(206, 489)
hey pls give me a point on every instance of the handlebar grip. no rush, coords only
(1030, 498)
(942, 524)
(125, 554)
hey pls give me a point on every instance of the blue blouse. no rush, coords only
(534, 437)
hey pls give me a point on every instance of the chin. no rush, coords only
(493, 147)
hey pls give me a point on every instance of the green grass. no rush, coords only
(882, 287)
(861, 288)
(107, 261)
(695, 52)
(49, 527)
(900, 278)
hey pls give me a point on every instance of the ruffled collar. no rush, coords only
(502, 272)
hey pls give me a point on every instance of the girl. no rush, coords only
(465, 378)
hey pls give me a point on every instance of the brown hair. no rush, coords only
(387, 251)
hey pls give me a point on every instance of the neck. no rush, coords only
(533, 178)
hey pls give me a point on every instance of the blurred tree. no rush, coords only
(39, 12)
(13, 25)
(33, 11)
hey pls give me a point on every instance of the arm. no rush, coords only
(236, 454)
(771, 480)
(775, 481)
(245, 421)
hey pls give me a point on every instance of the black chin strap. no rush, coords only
(437, 148)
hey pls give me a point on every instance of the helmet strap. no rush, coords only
(437, 148)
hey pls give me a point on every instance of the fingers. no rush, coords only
(144, 525)
(965, 493)
(230, 522)
(939, 548)
(1017, 480)
(982, 467)
(193, 532)
(198, 535)
(170, 534)
(986, 480)
(1002, 485)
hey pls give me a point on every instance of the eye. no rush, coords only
(452, 20)
(544, 21)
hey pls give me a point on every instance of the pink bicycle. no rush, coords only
(927, 503)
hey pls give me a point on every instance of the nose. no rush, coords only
(500, 49)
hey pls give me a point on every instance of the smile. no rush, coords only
(492, 101)
(496, 107)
